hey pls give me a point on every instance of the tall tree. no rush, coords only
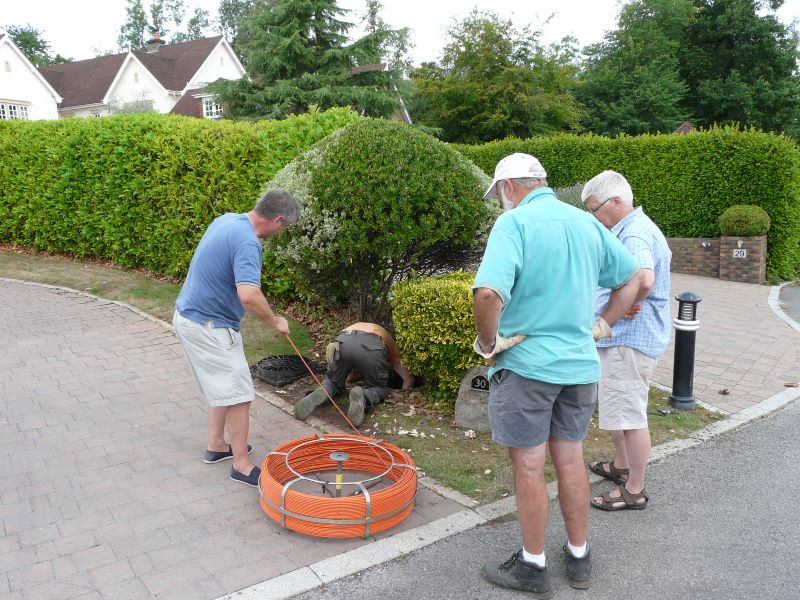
(495, 80)
(296, 55)
(631, 80)
(133, 31)
(397, 45)
(741, 65)
(166, 17)
(32, 44)
(196, 27)
(231, 13)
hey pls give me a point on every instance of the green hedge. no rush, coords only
(140, 189)
(684, 182)
(435, 329)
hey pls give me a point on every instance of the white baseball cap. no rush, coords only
(515, 166)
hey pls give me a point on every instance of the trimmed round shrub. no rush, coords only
(381, 202)
(744, 220)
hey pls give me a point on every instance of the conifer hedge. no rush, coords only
(140, 189)
(684, 182)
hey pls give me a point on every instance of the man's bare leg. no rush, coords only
(238, 423)
(216, 428)
(573, 488)
(531, 493)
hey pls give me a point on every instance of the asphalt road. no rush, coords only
(723, 523)
(790, 299)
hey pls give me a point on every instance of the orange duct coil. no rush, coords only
(357, 511)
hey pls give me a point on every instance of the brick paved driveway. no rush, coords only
(103, 492)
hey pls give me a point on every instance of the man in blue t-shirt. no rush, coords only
(534, 297)
(628, 358)
(223, 282)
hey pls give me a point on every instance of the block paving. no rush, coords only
(103, 491)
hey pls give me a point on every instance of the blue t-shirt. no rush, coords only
(229, 253)
(649, 332)
(545, 259)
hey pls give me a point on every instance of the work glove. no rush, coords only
(500, 344)
(332, 353)
(600, 329)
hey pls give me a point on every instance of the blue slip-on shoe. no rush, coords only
(251, 479)
(215, 457)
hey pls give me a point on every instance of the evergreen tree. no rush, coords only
(631, 80)
(296, 55)
(741, 65)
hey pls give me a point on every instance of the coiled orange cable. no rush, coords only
(349, 516)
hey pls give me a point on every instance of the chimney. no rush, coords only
(154, 44)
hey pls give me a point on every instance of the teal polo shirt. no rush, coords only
(545, 259)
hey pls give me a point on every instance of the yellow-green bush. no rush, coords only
(744, 220)
(140, 189)
(684, 182)
(435, 329)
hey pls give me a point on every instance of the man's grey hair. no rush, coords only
(529, 183)
(607, 185)
(278, 203)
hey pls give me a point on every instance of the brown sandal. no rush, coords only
(631, 501)
(613, 473)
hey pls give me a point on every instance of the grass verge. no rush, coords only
(141, 290)
(468, 461)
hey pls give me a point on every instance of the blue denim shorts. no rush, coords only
(524, 413)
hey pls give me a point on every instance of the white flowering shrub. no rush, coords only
(381, 202)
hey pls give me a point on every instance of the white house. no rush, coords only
(24, 92)
(157, 78)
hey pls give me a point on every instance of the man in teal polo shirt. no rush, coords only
(534, 297)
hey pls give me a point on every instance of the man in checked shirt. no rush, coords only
(628, 357)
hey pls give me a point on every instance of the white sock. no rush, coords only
(534, 559)
(578, 551)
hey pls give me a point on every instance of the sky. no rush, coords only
(81, 28)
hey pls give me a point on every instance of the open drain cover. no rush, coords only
(283, 369)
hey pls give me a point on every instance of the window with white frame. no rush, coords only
(12, 110)
(211, 108)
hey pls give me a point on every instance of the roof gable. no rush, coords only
(175, 65)
(6, 39)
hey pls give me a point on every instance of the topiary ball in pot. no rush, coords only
(744, 220)
(380, 202)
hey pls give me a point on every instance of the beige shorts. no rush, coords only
(216, 356)
(623, 387)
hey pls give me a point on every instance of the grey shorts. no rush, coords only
(524, 413)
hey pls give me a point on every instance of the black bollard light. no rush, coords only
(686, 326)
